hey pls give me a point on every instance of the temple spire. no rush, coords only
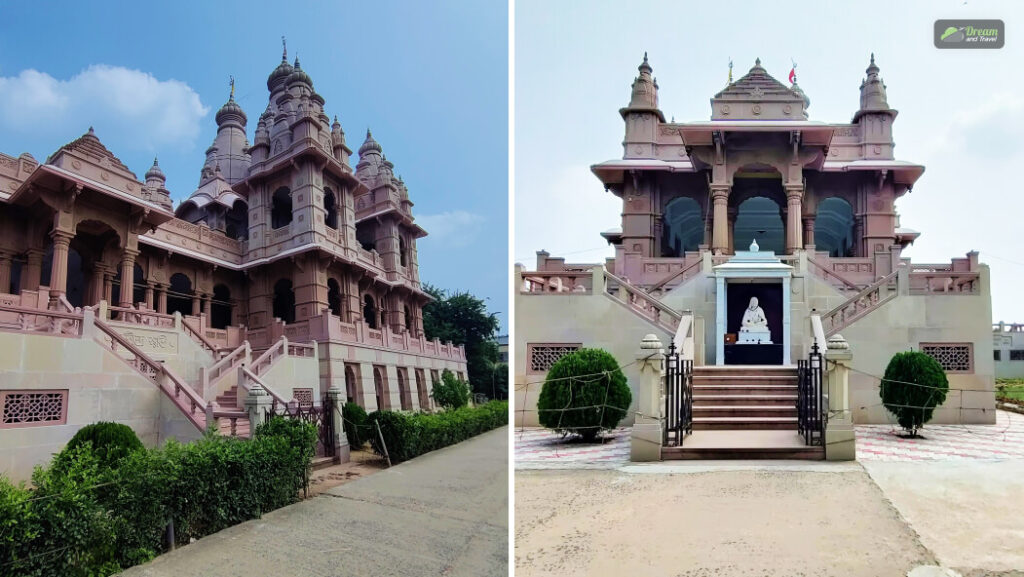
(232, 82)
(284, 50)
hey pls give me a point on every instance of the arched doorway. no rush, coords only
(220, 307)
(760, 217)
(421, 387)
(179, 295)
(236, 221)
(284, 300)
(404, 395)
(331, 209)
(351, 387)
(334, 298)
(833, 227)
(682, 226)
(402, 258)
(381, 390)
(408, 319)
(281, 208)
(369, 311)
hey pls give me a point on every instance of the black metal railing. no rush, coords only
(322, 417)
(678, 398)
(810, 404)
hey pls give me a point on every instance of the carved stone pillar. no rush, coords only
(161, 300)
(195, 305)
(732, 229)
(858, 235)
(59, 266)
(5, 271)
(794, 200)
(206, 308)
(149, 296)
(127, 277)
(808, 231)
(31, 274)
(720, 230)
(108, 285)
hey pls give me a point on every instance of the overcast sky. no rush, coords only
(426, 77)
(961, 112)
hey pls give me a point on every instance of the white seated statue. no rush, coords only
(754, 326)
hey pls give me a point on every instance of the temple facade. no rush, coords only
(285, 268)
(762, 207)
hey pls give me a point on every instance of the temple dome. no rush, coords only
(231, 111)
(155, 172)
(369, 145)
(299, 75)
(283, 71)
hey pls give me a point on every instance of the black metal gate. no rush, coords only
(322, 417)
(678, 397)
(810, 404)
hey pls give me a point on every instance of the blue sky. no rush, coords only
(960, 111)
(430, 80)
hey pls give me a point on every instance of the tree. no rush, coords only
(463, 319)
(450, 393)
(913, 385)
(584, 393)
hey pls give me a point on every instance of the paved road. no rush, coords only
(445, 513)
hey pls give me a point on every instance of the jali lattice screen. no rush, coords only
(26, 408)
(543, 355)
(952, 357)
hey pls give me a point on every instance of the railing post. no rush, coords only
(840, 441)
(257, 401)
(341, 449)
(646, 436)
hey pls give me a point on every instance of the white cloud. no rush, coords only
(456, 228)
(131, 104)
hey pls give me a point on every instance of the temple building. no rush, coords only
(749, 239)
(285, 270)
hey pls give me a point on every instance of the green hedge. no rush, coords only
(408, 435)
(88, 520)
(355, 425)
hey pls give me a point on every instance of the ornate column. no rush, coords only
(195, 304)
(161, 300)
(31, 274)
(5, 271)
(858, 235)
(794, 200)
(732, 212)
(149, 296)
(108, 285)
(720, 230)
(127, 276)
(59, 266)
(206, 304)
(809, 231)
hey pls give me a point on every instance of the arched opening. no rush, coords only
(331, 209)
(404, 395)
(220, 307)
(236, 221)
(401, 252)
(369, 311)
(683, 227)
(759, 217)
(366, 235)
(408, 318)
(281, 208)
(378, 385)
(179, 295)
(334, 298)
(833, 227)
(421, 387)
(284, 300)
(350, 385)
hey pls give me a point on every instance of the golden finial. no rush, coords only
(232, 97)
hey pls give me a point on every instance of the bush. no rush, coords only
(451, 392)
(409, 435)
(577, 398)
(355, 425)
(85, 519)
(111, 442)
(914, 384)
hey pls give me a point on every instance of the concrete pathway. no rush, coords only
(445, 513)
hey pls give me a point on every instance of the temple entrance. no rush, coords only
(760, 218)
(683, 226)
(833, 227)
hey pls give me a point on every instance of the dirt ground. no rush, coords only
(709, 524)
(361, 464)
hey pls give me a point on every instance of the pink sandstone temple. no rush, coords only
(285, 274)
(747, 240)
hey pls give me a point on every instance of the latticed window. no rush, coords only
(952, 357)
(1017, 354)
(542, 356)
(33, 408)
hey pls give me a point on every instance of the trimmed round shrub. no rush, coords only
(914, 384)
(585, 392)
(111, 442)
(356, 429)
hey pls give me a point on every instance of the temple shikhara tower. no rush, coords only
(752, 242)
(286, 273)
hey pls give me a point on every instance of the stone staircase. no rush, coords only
(744, 413)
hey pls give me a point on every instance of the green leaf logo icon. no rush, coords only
(948, 32)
